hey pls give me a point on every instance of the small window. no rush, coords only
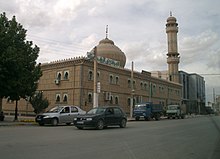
(58, 98)
(129, 83)
(66, 75)
(98, 76)
(141, 85)
(90, 75)
(116, 80)
(111, 100)
(90, 98)
(59, 76)
(129, 101)
(116, 100)
(65, 97)
(111, 79)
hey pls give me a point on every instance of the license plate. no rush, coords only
(80, 122)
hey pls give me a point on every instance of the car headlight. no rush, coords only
(88, 119)
(74, 119)
(47, 116)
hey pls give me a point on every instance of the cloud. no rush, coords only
(198, 51)
(68, 28)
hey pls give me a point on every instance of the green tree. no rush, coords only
(19, 71)
(38, 102)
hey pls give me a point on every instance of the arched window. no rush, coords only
(116, 100)
(65, 98)
(111, 100)
(116, 80)
(90, 98)
(98, 76)
(66, 75)
(59, 76)
(129, 83)
(129, 102)
(90, 75)
(111, 79)
(141, 85)
(58, 98)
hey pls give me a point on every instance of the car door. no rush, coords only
(117, 116)
(109, 116)
(74, 113)
(65, 115)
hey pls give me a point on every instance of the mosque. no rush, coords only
(87, 83)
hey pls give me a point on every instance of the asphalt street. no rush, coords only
(193, 138)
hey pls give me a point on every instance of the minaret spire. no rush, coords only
(106, 31)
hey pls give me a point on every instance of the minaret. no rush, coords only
(173, 55)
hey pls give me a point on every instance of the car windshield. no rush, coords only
(139, 107)
(96, 111)
(55, 110)
(172, 107)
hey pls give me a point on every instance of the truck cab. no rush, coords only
(175, 111)
(147, 111)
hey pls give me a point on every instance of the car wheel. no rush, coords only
(80, 128)
(137, 118)
(123, 123)
(68, 123)
(100, 125)
(54, 122)
(41, 124)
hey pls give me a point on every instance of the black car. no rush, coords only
(101, 117)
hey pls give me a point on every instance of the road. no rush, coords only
(194, 138)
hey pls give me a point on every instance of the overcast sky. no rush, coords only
(69, 28)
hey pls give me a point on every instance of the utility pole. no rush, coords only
(132, 89)
(95, 94)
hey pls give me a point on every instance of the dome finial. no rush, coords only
(106, 31)
(171, 13)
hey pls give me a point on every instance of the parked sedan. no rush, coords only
(101, 117)
(59, 114)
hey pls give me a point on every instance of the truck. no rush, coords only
(176, 111)
(147, 111)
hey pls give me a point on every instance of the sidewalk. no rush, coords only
(22, 120)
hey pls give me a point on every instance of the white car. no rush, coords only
(59, 114)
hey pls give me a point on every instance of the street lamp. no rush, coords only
(95, 94)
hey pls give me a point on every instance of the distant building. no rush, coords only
(193, 92)
(216, 104)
